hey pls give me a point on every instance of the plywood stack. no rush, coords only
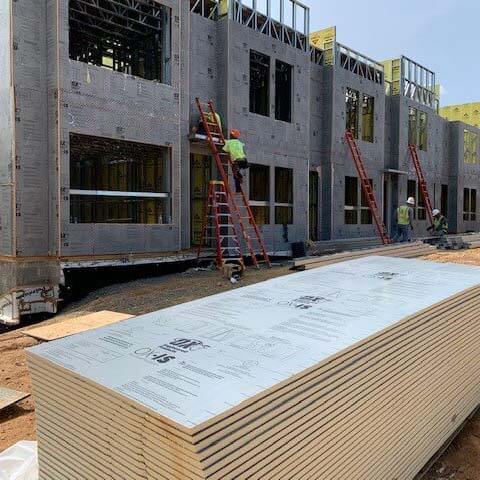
(402, 250)
(358, 370)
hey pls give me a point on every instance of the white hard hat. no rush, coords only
(411, 201)
(435, 212)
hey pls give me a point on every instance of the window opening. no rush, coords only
(351, 200)
(115, 181)
(283, 91)
(368, 118)
(259, 83)
(283, 196)
(470, 147)
(121, 35)
(352, 106)
(260, 193)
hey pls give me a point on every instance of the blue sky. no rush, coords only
(439, 34)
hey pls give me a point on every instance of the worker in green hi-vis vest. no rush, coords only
(236, 149)
(404, 221)
(440, 224)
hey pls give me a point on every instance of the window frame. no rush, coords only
(469, 204)
(352, 97)
(418, 128)
(167, 153)
(102, 41)
(368, 103)
(470, 147)
(279, 203)
(356, 209)
(266, 112)
(279, 98)
(264, 204)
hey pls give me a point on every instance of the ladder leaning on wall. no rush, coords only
(367, 188)
(225, 210)
(422, 183)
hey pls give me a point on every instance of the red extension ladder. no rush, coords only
(421, 181)
(235, 208)
(367, 188)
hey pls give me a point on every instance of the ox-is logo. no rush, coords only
(166, 352)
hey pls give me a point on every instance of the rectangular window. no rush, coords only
(422, 131)
(421, 210)
(113, 34)
(283, 91)
(260, 193)
(115, 181)
(469, 204)
(352, 107)
(412, 192)
(418, 128)
(368, 118)
(313, 205)
(259, 83)
(470, 147)
(365, 212)
(283, 196)
(444, 200)
(351, 200)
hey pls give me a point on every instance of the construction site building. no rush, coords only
(98, 167)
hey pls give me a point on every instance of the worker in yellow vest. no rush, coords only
(440, 224)
(404, 221)
(236, 149)
(210, 118)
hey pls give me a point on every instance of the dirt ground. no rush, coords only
(460, 462)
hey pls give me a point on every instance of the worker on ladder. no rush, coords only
(236, 149)
(440, 224)
(209, 117)
(404, 221)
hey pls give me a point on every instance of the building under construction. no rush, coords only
(98, 166)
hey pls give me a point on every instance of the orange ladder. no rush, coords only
(236, 205)
(367, 188)
(422, 183)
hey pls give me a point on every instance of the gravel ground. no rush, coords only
(460, 462)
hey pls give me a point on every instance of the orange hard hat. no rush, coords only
(235, 133)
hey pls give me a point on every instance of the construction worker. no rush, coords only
(209, 117)
(236, 149)
(404, 221)
(440, 224)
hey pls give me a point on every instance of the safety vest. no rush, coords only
(235, 148)
(402, 215)
(440, 223)
(209, 118)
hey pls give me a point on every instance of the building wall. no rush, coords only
(31, 160)
(463, 175)
(6, 134)
(55, 96)
(100, 102)
(269, 141)
(332, 152)
(434, 161)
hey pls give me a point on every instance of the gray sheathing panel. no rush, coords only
(268, 141)
(32, 180)
(22, 273)
(97, 101)
(341, 158)
(203, 75)
(52, 139)
(6, 133)
(463, 175)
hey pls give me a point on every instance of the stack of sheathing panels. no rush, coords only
(358, 370)
(402, 250)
